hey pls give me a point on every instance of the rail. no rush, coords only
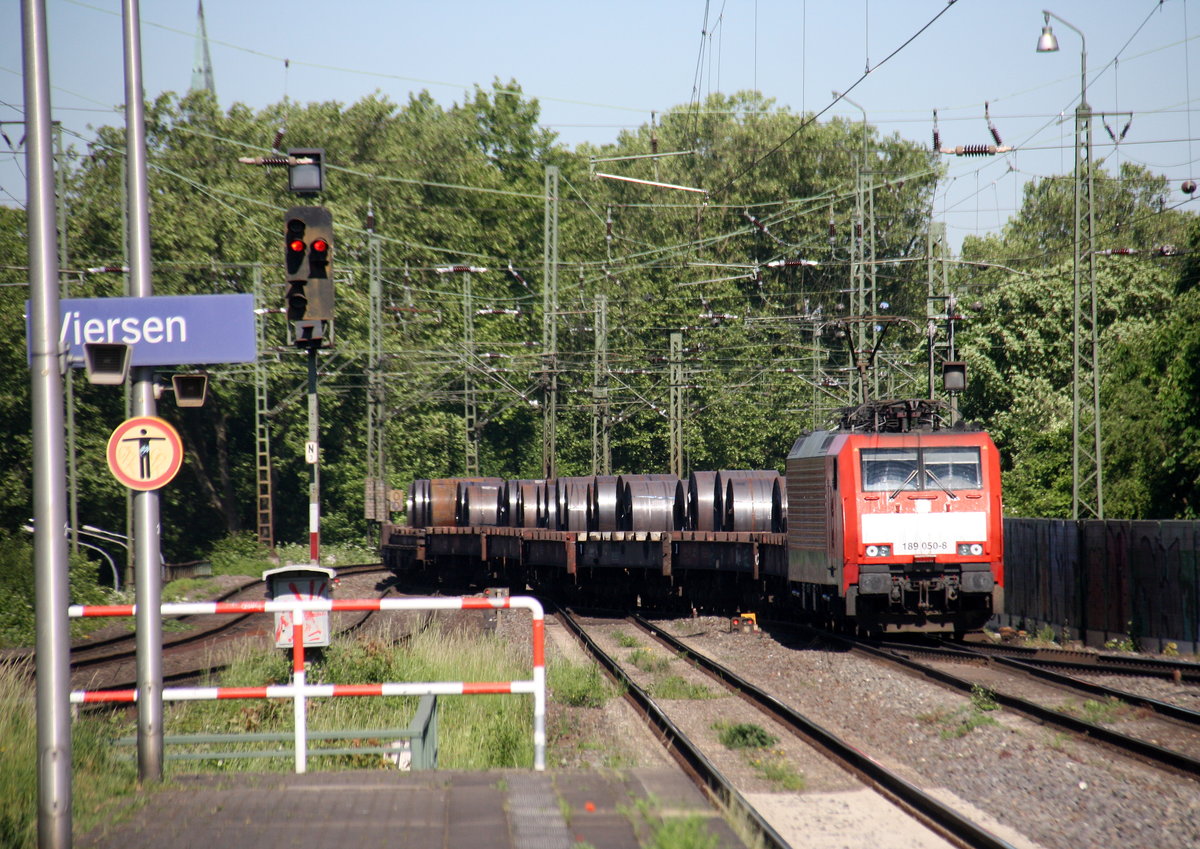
(300, 691)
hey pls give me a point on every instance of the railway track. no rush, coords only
(1064, 660)
(933, 815)
(187, 655)
(1164, 721)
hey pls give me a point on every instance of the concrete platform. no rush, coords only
(455, 810)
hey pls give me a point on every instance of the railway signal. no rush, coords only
(308, 255)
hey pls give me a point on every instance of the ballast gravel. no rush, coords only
(1053, 789)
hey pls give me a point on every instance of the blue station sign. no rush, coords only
(163, 330)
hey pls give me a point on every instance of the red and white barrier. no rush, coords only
(300, 691)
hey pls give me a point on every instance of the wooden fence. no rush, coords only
(1102, 580)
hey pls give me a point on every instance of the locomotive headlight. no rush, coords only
(872, 551)
(973, 549)
(976, 549)
(879, 551)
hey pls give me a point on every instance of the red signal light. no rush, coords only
(320, 246)
(296, 245)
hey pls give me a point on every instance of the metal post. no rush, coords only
(470, 408)
(601, 450)
(60, 187)
(1087, 489)
(1088, 477)
(550, 326)
(676, 396)
(148, 556)
(375, 500)
(262, 422)
(859, 263)
(313, 455)
(52, 594)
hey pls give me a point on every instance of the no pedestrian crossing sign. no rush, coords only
(145, 453)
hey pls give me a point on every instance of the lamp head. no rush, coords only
(1048, 43)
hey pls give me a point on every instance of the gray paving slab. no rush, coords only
(454, 810)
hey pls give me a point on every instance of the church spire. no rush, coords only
(202, 72)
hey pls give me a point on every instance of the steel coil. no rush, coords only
(478, 502)
(416, 506)
(650, 505)
(512, 499)
(573, 497)
(721, 488)
(548, 508)
(701, 516)
(602, 514)
(529, 496)
(779, 505)
(749, 505)
(442, 503)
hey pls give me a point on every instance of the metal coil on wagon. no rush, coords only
(650, 505)
(416, 506)
(573, 497)
(700, 502)
(721, 488)
(511, 507)
(779, 505)
(529, 497)
(478, 502)
(441, 505)
(548, 506)
(602, 512)
(750, 505)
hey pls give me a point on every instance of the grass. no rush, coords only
(578, 684)
(743, 735)
(775, 768)
(648, 661)
(983, 699)
(626, 641)
(677, 687)
(189, 589)
(1100, 712)
(475, 732)
(771, 765)
(658, 831)
(101, 784)
(961, 722)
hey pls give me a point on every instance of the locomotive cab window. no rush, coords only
(951, 467)
(889, 469)
(896, 470)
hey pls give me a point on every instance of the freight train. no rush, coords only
(891, 520)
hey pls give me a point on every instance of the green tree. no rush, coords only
(1019, 344)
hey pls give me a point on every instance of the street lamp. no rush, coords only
(1084, 370)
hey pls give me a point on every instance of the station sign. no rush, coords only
(163, 330)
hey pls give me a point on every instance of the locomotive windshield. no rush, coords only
(916, 469)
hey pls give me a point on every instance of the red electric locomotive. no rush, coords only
(895, 521)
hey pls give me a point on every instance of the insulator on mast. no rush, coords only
(763, 227)
(992, 127)
(972, 149)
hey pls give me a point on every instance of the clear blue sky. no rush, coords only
(600, 66)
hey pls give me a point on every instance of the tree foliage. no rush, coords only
(754, 274)
(1019, 344)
